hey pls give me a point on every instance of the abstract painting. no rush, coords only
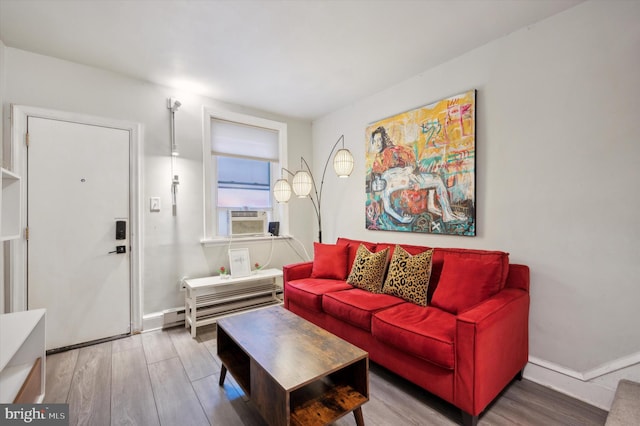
(420, 169)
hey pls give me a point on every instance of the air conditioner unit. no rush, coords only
(247, 222)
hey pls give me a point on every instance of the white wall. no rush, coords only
(171, 245)
(556, 173)
(2, 251)
(2, 90)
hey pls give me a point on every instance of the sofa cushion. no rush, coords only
(353, 248)
(467, 281)
(329, 261)
(440, 254)
(425, 332)
(356, 306)
(368, 269)
(308, 292)
(408, 276)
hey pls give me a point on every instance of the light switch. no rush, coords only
(155, 204)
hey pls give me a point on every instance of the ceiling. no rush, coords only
(299, 58)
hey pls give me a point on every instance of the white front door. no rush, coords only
(77, 188)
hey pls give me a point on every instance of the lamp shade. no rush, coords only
(302, 183)
(282, 191)
(343, 163)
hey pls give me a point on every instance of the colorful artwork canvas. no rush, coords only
(420, 169)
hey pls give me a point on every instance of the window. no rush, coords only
(242, 184)
(242, 161)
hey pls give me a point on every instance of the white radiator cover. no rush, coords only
(225, 297)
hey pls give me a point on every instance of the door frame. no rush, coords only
(18, 252)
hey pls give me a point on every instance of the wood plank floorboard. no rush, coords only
(90, 393)
(393, 400)
(541, 406)
(157, 347)
(132, 401)
(60, 368)
(168, 378)
(131, 342)
(207, 336)
(176, 400)
(225, 405)
(197, 360)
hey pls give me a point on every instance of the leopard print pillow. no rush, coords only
(368, 269)
(408, 276)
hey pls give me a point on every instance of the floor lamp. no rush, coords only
(304, 185)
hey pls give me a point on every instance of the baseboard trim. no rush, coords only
(153, 321)
(165, 319)
(610, 367)
(567, 382)
(601, 370)
(596, 386)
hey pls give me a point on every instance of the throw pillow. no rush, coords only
(353, 248)
(465, 282)
(329, 261)
(368, 269)
(408, 276)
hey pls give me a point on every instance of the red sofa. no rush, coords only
(465, 354)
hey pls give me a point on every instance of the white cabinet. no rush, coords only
(9, 223)
(22, 357)
(10, 206)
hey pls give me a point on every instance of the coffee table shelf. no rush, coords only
(327, 406)
(293, 371)
(238, 363)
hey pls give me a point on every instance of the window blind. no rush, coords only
(236, 139)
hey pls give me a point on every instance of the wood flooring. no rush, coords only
(167, 378)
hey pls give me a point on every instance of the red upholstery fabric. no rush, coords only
(308, 292)
(353, 249)
(434, 378)
(485, 361)
(297, 271)
(330, 261)
(466, 281)
(439, 254)
(468, 365)
(425, 332)
(518, 277)
(412, 250)
(293, 272)
(356, 306)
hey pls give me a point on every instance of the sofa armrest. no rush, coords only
(518, 277)
(492, 346)
(295, 271)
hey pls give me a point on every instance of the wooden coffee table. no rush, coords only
(293, 371)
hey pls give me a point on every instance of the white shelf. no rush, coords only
(11, 380)
(10, 206)
(22, 342)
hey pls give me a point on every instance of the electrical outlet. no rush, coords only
(181, 286)
(154, 204)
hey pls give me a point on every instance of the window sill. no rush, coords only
(221, 241)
